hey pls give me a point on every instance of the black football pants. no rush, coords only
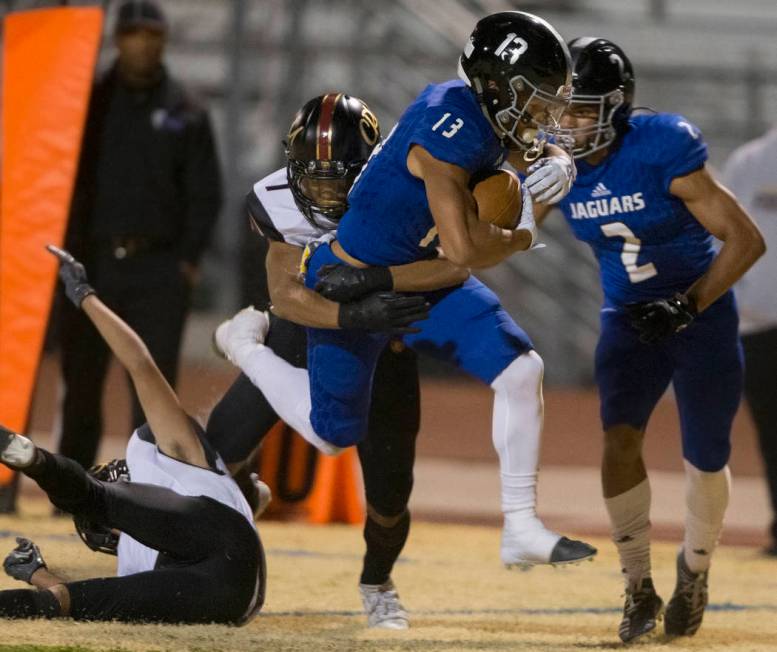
(761, 395)
(210, 556)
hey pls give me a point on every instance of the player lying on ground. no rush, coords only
(188, 551)
(647, 205)
(291, 208)
(515, 72)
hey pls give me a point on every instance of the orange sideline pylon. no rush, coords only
(48, 66)
(308, 486)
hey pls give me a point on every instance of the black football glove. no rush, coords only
(656, 320)
(384, 311)
(343, 283)
(22, 562)
(73, 276)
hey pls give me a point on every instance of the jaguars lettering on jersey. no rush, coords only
(646, 241)
(388, 221)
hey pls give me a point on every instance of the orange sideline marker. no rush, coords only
(48, 65)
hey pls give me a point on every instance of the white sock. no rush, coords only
(630, 519)
(287, 389)
(517, 430)
(706, 499)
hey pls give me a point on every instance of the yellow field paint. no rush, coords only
(450, 580)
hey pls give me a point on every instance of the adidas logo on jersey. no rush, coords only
(608, 206)
(601, 191)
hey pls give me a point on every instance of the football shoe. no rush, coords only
(685, 610)
(641, 612)
(382, 605)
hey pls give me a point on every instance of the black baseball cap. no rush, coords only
(140, 13)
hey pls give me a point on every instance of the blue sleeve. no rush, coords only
(674, 146)
(451, 133)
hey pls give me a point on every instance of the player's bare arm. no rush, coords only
(290, 298)
(720, 213)
(174, 433)
(345, 283)
(466, 240)
(428, 275)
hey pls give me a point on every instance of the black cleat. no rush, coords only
(569, 551)
(685, 610)
(641, 612)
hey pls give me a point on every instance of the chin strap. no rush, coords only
(535, 151)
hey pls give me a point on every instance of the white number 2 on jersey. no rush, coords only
(631, 246)
(450, 132)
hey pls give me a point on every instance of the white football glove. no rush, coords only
(550, 179)
(526, 221)
(244, 333)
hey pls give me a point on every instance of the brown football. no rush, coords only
(498, 197)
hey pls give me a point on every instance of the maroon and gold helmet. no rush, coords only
(329, 141)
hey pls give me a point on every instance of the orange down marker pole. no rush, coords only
(48, 66)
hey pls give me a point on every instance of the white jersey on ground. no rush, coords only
(148, 465)
(272, 206)
(751, 174)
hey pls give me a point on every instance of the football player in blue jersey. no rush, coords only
(412, 199)
(648, 206)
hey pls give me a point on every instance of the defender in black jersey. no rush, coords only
(188, 549)
(294, 208)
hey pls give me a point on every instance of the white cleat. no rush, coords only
(242, 334)
(526, 547)
(265, 495)
(382, 606)
(15, 450)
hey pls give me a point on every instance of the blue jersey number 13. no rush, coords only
(453, 126)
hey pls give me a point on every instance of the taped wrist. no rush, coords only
(350, 316)
(378, 278)
(80, 292)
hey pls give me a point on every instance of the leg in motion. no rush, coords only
(517, 430)
(627, 498)
(707, 411)
(286, 388)
(387, 456)
(706, 500)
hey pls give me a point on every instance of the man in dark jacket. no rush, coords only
(146, 198)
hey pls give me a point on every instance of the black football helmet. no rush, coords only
(603, 79)
(519, 68)
(97, 537)
(329, 141)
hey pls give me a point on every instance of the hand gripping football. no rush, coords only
(498, 197)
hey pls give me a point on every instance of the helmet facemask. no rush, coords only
(532, 114)
(527, 114)
(98, 537)
(600, 134)
(320, 188)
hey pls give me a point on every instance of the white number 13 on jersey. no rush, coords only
(630, 253)
(453, 127)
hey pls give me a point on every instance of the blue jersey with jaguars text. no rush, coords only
(647, 242)
(388, 221)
